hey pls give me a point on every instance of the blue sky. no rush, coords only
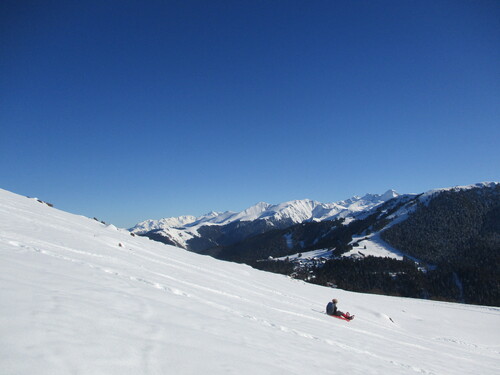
(130, 110)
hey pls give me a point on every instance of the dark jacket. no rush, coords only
(331, 308)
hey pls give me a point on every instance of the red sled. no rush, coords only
(342, 317)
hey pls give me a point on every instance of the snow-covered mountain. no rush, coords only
(180, 230)
(373, 243)
(82, 297)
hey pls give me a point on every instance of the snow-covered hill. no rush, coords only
(372, 244)
(80, 297)
(179, 230)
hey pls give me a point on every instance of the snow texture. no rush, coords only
(80, 297)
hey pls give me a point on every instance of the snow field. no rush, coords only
(79, 297)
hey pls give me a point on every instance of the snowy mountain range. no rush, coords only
(226, 233)
(442, 244)
(443, 231)
(81, 297)
(184, 231)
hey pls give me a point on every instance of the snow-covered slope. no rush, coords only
(424, 198)
(373, 244)
(181, 229)
(85, 298)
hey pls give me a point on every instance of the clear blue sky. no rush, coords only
(130, 110)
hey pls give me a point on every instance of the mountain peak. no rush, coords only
(389, 194)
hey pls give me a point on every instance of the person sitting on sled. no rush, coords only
(331, 309)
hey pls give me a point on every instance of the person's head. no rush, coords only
(334, 300)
